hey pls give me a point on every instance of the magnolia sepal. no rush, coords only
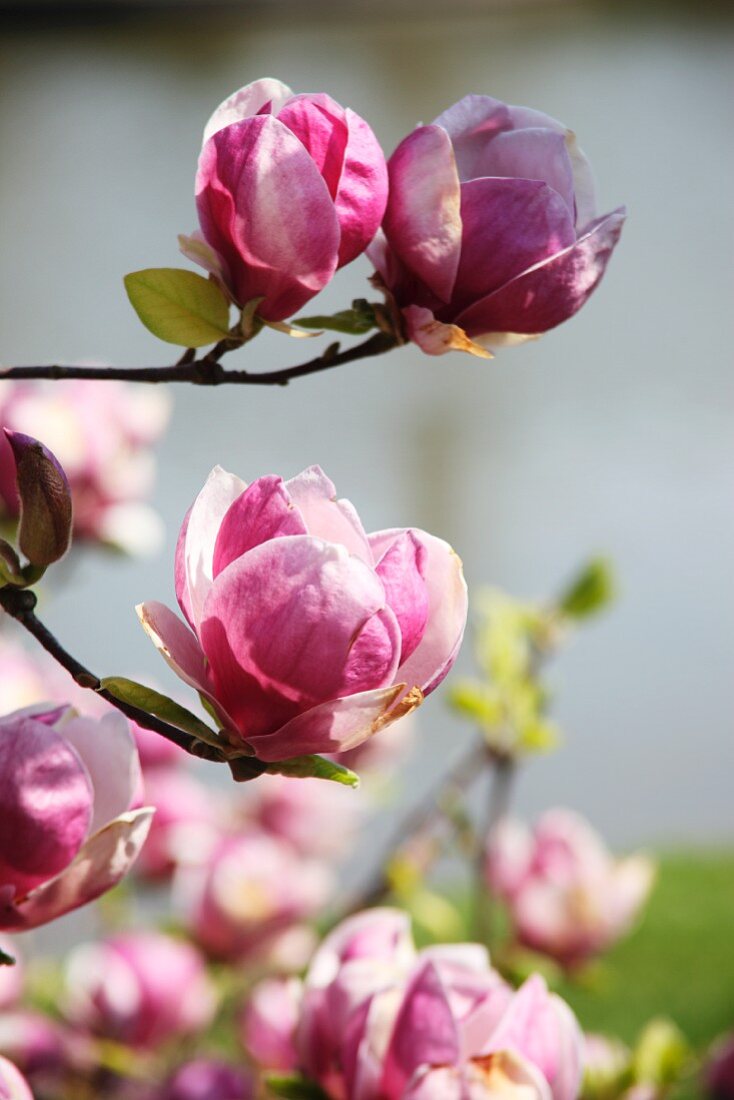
(44, 528)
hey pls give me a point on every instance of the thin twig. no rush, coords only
(20, 604)
(500, 790)
(208, 371)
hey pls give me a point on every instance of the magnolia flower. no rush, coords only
(304, 633)
(13, 1086)
(208, 1079)
(268, 1023)
(491, 234)
(67, 832)
(567, 895)
(289, 187)
(102, 433)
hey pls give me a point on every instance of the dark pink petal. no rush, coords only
(507, 226)
(532, 155)
(100, 864)
(319, 124)
(327, 517)
(332, 727)
(107, 749)
(361, 197)
(265, 208)
(264, 511)
(46, 803)
(471, 123)
(180, 579)
(550, 292)
(401, 570)
(281, 630)
(259, 97)
(422, 220)
(447, 611)
(425, 1032)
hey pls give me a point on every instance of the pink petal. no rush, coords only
(282, 631)
(401, 570)
(264, 511)
(422, 221)
(471, 124)
(332, 727)
(532, 154)
(45, 803)
(259, 96)
(361, 197)
(508, 225)
(425, 1032)
(13, 1086)
(264, 207)
(381, 934)
(443, 1083)
(447, 611)
(100, 864)
(195, 550)
(319, 124)
(107, 748)
(325, 516)
(436, 338)
(551, 291)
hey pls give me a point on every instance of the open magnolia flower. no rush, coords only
(67, 830)
(305, 634)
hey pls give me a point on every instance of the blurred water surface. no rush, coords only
(615, 433)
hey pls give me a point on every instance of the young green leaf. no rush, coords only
(314, 767)
(590, 591)
(138, 695)
(291, 1086)
(179, 306)
(354, 322)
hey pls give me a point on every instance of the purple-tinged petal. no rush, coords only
(436, 338)
(508, 226)
(422, 221)
(45, 804)
(382, 934)
(100, 864)
(325, 515)
(532, 154)
(361, 197)
(332, 727)
(550, 292)
(197, 540)
(265, 208)
(259, 96)
(471, 123)
(401, 570)
(264, 511)
(425, 1032)
(108, 751)
(584, 185)
(447, 611)
(281, 630)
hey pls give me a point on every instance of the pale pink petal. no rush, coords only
(264, 511)
(447, 611)
(107, 748)
(180, 579)
(198, 537)
(425, 1032)
(532, 154)
(422, 221)
(471, 124)
(381, 934)
(332, 727)
(441, 1083)
(504, 1075)
(436, 338)
(13, 1086)
(45, 804)
(326, 516)
(265, 208)
(401, 570)
(100, 864)
(552, 291)
(259, 96)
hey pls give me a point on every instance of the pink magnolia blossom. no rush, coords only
(491, 234)
(139, 988)
(316, 819)
(567, 895)
(289, 187)
(67, 833)
(304, 633)
(185, 823)
(208, 1079)
(13, 1086)
(102, 434)
(269, 1021)
(250, 889)
(380, 1022)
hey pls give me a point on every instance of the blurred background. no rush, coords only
(612, 434)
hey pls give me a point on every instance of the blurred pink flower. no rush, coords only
(316, 819)
(289, 187)
(491, 234)
(306, 635)
(719, 1075)
(208, 1079)
(268, 1023)
(12, 1084)
(567, 895)
(102, 434)
(139, 988)
(67, 833)
(185, 823)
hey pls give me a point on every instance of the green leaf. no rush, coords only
(138, 695)
(590, 591)
(354, 322)
(179, 306)
(314, 767)
(291, 1086)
